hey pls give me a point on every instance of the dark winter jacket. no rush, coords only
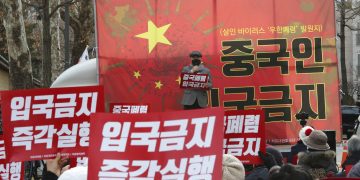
(355, 171)
(319, 164)
(259, 173)
(298, 147)
(49, 176)
(351, 159)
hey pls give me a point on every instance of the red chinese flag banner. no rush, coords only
(38, 123)
(279, 56)
(244, 135)
(169, 145)
(9, 170)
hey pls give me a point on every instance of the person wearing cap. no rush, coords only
(232, 168)
(300, 146)
(353, 154)
(318, 160)
(196, 98)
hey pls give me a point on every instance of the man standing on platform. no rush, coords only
(196, 98)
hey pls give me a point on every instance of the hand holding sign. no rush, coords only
(56, 165)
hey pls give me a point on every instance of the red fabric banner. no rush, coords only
(273, 55)
(38, 123)
(244, 135)
(169, 145)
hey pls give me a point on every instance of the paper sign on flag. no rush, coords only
(129, 108)
(39, 123)
(244, 135)
(194, 81)
(176, 145)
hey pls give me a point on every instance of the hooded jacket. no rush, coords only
(319, 164)
(355, 171)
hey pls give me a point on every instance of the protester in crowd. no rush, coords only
(300, 146)
(272, 159)
(76, 173)
(353, 155)
(319, 160)
(353, 151)
(232, 168)
(355, 171)
(55, 167)
(195, 98)
(290, 172)
(276, 154)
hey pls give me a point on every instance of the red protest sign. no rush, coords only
(11, 170)
(38, 123)
(194, 81)
(174, 145)
(129, 108)
(79, 161)
(244, 135)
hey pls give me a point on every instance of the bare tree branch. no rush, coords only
(352, 28)
(32, 5)
(63, 4)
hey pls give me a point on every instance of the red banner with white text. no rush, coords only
(244, 135)
(39, 123)
(9, 170)
(169, 145)
(273, 55)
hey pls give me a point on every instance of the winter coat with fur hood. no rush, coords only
(319, 164)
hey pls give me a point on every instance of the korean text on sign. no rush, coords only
(9, 170)
(194, 81)
(39, 123)
(123, 108)
(171, 145)
(244, 135)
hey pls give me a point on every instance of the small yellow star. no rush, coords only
(178, 80)
(158, 84)
(137, 74)
(155, 35)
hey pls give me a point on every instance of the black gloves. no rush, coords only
(268, 159)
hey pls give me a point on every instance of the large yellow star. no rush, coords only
(178, 80)
(158, 84)
(155, 35)
(137, 74)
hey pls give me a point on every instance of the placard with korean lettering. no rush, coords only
(244, 135)
(129, 108)
(194, 81)
(38, 123)
(9, 170)
(79, 161)
(169, 145)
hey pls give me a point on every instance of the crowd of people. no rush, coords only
(310, 158)
(313, 160)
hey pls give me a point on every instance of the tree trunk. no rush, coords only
(20, 69)
(57, 58)
(46, 42)
(83, 28)
(344, 83)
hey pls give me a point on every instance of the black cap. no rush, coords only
(195, 54)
